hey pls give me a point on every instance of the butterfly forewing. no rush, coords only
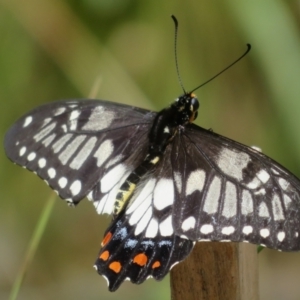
(73, 144)
(228, 191)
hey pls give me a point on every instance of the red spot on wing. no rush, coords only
(115, 266)
(156, 264)
(140, 259)
(106, 239)
(104, 255)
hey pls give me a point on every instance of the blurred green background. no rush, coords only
(123, 50)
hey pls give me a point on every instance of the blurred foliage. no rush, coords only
(60, 49)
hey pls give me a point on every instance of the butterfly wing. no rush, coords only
(128, 256)
(141, 243)
(73, 144)
(226, 191)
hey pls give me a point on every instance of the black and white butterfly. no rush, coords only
(167, 182)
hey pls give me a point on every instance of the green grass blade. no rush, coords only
(32, 247)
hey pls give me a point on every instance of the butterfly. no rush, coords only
(167, 182)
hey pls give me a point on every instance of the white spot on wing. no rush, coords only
(188, 223)
(166, 129)
(254, 184)
(31, 156)
(206, 228)
(175, 263)
(47, 141)
(42, 162)
(287, 201)
(163, 193)
(140, 211)
(74, 119)
(111, 178)
(90, 195)
(71, 148)
(62, 182)
(264, 232)
(256, 148)
(228, 230)
(260, 192)
(83, 154)
(113, 161)
(106, 279)
(22, 151)
(212, 197)
(51, 173)
(263, 210)
(59, 111)
(73, 105)
(99, 205)
(275, 171)
(59, 144)
(277, 208)
(247, 203)
(44, 132)
(99, 119)
(247, 229)
(263, 176)
(283, 183)
(64, 128)
(46, 121)
(152, 229)
(281, 236)
(230, 201)
(27, 121)
(232, 162)
(178, 181)
(144, 221)
(104, 151)
(166, 227)
(195, 182)
(146, 192)
(75, 187)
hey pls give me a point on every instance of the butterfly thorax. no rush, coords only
(184, 110)
(164, 128)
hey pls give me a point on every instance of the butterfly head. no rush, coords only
(187, 106)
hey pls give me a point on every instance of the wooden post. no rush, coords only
(213, 271)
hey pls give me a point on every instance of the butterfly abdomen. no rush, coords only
(128, 187)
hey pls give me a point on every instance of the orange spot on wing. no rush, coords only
(104, 255)
(140, 259)
(115, 266)
(106, 239)
(156, 264)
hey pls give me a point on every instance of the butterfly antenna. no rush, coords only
(233, 63)
(175, 46)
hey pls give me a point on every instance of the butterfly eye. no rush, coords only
(194, 104)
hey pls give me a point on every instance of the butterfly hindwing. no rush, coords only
(141, 241)
(228, 191)
(127, 256)
(72, 144)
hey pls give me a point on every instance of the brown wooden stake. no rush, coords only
(213, 271)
